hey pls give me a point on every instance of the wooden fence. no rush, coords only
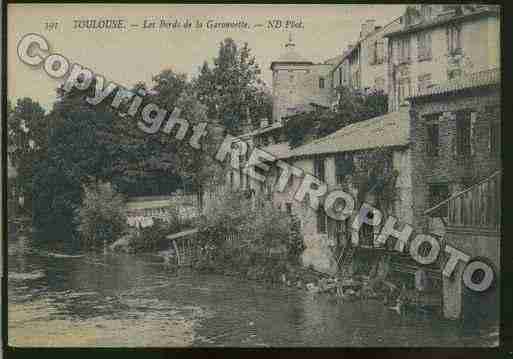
(479, 206)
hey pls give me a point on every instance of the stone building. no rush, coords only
(444, 91)
(437, 43)
(363, 65)
(457, 130)
(298, 81)
(338, 159)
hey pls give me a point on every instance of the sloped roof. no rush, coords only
(388, 130)
(258, 131)
(291, 56)
(278, 150)
(305, 108)
(478, 79)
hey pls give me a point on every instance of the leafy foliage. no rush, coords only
(100, 218)
(352, 107)
(77, 144)
(376, 177)
(27, 138)
(249, 237)
(232, 90)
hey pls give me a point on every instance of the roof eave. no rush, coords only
(290, 63)
(327, 153)
(420, 27)
(427, 96)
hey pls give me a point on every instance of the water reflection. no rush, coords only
(124, 300)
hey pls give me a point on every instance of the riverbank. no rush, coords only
(37, 324)
(113, 300)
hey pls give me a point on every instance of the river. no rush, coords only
(66, 300)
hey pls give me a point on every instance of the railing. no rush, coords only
(142, 210)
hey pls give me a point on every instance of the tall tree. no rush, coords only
(232, 89)
(27, 141)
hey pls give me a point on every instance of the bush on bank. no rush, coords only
(153, 238)
(100, 217)
(249, 236)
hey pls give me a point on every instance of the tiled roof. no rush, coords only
(388, 130)
(272, 126)
(278, 150)
(478, 79)
(291, 56)
(305, 108)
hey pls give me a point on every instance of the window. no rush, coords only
(404, 50)
(424, 83)
(437, 193)
(321, 82)
(425, 10)
(343, 166)
(322, 220)
(366, 235)
(404, 90)
(454, 39)
(463, 133)
(432, 143)
(424, 46)
(494, 139)
(319, 171)
(377, 53)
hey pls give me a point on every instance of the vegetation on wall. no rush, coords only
(376, 177)
(352, 106)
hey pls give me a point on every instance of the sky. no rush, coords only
(137, 54)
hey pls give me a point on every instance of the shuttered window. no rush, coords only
(437, 193)
(424, 46)
(454, 39)
(495, 137)
(463, 133)
(432, 142)
(319, 169)
(343, 166)
(322, 219)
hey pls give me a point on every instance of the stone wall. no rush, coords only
(295, 85)
(476, 245)
(448, 167)
(480, 43)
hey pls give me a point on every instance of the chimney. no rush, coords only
(367, 28)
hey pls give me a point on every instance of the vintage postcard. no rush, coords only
(253, 175)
